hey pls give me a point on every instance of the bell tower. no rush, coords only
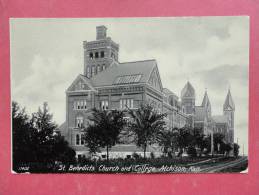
(99, 54)
(188, 98)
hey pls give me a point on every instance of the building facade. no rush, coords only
(108, 84)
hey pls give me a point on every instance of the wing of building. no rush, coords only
(108, 84)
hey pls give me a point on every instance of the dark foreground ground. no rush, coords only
(157, 165)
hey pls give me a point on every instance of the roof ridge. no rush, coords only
(137, 61)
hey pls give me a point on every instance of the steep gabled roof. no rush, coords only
(126, 71)
(169, 92)
(188, 91)
(84, 80)
(229, 103)
(205, 101)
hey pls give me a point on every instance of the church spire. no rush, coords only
(229, 103)
(205, 101)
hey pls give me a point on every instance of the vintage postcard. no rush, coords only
(130, 95)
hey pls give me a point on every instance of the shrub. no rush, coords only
(152, 155)
(136, 156)
(191, 151)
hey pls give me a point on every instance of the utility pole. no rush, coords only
(211, 142)
(243, 150)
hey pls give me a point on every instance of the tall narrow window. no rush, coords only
(121, 106)
(79, 122)
(102, 54)
(82, 104)
(104, 67)
(88, 71)
(91, 55)
(82, 139)
(98, 68)
(126, 103)
(96, 55)
(93, 70)
(104, 105)
(85, 104)
(77, 139)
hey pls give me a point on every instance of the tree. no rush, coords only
(218, 140)
(236, 150)
(104, 130)
(34, 140)
(226, 148)
(43, 132)
(22, 136)
(169, 141)
(185, 139)
(199, 140)
(147, 126)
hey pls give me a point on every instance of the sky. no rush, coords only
(211, 52)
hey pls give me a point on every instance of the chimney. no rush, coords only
(100, 32)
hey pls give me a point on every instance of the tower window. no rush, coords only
(91, 55)
(93, 70)
(102, 54)
(96, 55)
(80, 139)
(79, 121)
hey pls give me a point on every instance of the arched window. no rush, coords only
(79, 122)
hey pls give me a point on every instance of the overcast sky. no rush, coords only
(210, 52)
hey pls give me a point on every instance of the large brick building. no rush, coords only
(108, 84)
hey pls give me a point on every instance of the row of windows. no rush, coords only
(80, 139)
(104, 105)
(80, 105)
(126, 103)
(94, 70)
(96, 55)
